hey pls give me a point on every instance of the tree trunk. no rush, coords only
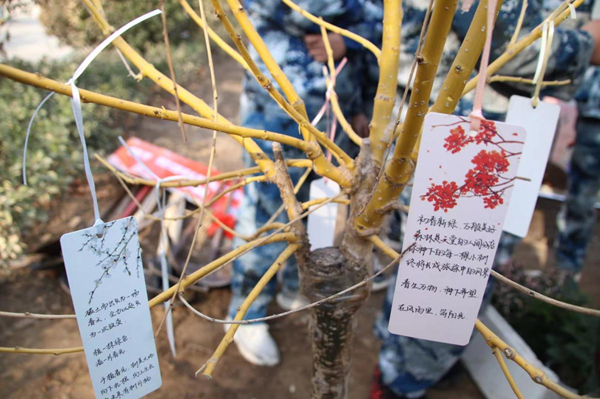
(332, 323)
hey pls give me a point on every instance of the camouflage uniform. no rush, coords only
(410, 366)
(283, 31)
(577, 217)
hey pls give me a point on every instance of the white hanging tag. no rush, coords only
(459, 200)
(321, 223)
(540, 124)
(106, 279)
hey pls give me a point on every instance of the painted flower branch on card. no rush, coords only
(110, 256)
(486, 179)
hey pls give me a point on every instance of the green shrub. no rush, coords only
(54, 156)
(54, 153)
(72, 24)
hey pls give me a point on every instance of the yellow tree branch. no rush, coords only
(335, 29)
(165, 295)
(321, 164)
(493, 341)
(399, 170)
(35, 351)
(208, 367)
(514, 79)
(309, 132)
(464, 63)
(536, 374)
(239, 132)
(506, 373)
(515, 35)
(148, 70)
(163, 17)
(382, 127)
(318, 201)
(521, 45)
(213, 35)
(333, 98)
(462, 66)
(264, 53)
(298, 163)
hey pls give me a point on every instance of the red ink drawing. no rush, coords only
(485, 180)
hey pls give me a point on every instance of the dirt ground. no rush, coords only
(66, 376)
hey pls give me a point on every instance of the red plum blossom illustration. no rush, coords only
(485, 180)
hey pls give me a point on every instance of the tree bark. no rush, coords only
(332, 323)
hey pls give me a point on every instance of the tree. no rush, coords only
(346, 269)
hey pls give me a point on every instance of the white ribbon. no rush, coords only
(76, 107)
(545, 49)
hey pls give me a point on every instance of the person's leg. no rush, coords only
(577, 217)
(261, 201)
(249, 268)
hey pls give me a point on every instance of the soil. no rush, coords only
(66, 376)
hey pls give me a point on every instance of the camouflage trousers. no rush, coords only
(261, 201)
(577, 217)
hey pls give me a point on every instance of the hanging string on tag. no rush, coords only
(476, 115)
(164, 240)
(572, 10)
(76, 107)
(545, 50)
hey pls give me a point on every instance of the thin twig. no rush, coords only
(579, 309)
(213, 35)
(333, 97)
(163, 16)
(514, 79)
(297, 188)
(515, 36)
(544, 298)
(297, 163)
(132, 74)
(265, 239)
(300, 309)
(210, 162)
(343, 32)
(211, 363)
(506, 372)
(29, 315)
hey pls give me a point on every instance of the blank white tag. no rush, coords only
(106, 279)
(458, 204)
(321, 223)
(540, 124)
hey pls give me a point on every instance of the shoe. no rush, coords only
(290, 300)
(255, 344)
(381, 391)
